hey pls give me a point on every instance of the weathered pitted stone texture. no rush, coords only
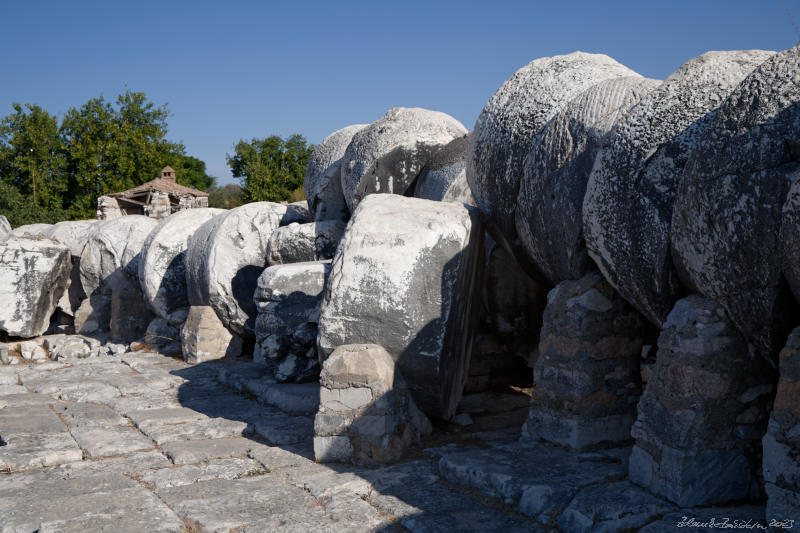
(34, 273)
(323, 182)
(225, 257)
(71, 233)
(129, 313)
(550, 202)
(205, 338)
(627, 211)
(298, 243)
(388, 155)
(703, 413)
(514, 304)
(781, 444)
(366, 413)
(587, 375)
(790, 238)
(5, 227)
(620, 506)
(288, 299)
(514, 115)
(444, 178)
(31, 229)
(112, 245)
(727, 214)
(407, 276)
(163, 336)
(162, 265)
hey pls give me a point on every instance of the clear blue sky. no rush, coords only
(233, 70)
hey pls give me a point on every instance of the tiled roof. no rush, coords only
(160, 185)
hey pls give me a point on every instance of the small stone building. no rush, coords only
(158, 198)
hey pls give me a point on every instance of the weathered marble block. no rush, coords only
(205, 338)
(366, 413)
(287, 299)
(781, 444)
(587, 377)
(407, 276)
(703, 412)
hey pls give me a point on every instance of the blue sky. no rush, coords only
(233, 70)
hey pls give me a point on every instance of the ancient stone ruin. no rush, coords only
(583, 315)
(157, 198)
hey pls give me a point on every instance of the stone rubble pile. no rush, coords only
(629, 245)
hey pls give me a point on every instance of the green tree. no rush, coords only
(20, 209)
(191, 172)
(225, 197)
(32, 158)
(271, 169)
(113, 148)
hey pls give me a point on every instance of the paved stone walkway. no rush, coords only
(143, 442)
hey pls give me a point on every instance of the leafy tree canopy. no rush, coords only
(271, 169)
(225, 197)
(99, 148)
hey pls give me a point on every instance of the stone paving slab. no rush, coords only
(620, 506)
(231, 468)
(125, 405)
(222, 505)
(165, 459)
(148, 418)
(130, 464)
(49, 501)
(79, 414)
(535, 478)
(5, 390)
(196, 451)
(23, 452)
(110, 441)
(211, 428)
(29, 420)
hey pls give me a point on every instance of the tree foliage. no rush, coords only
(98, 148)
(271, 169)
(225, 197)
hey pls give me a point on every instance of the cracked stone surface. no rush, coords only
(194, 448)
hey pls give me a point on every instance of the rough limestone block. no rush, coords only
(781, 444)
(703, 414)
(112, 245)
(550, 201)
(790, 238)
(323, 181)
(227, 254)
(34, 273)
(408, 275)
(631, 192)
(727, 214)
(162, 268)
(288, 299)
(73, 234)
(587, 378)
(297, 243)
(205, 338)
(32, 230)
(444, 178)
(389, 154)
(512, 117)
(366, 413)
(129, 312)
(5, 227)
(163, 336)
